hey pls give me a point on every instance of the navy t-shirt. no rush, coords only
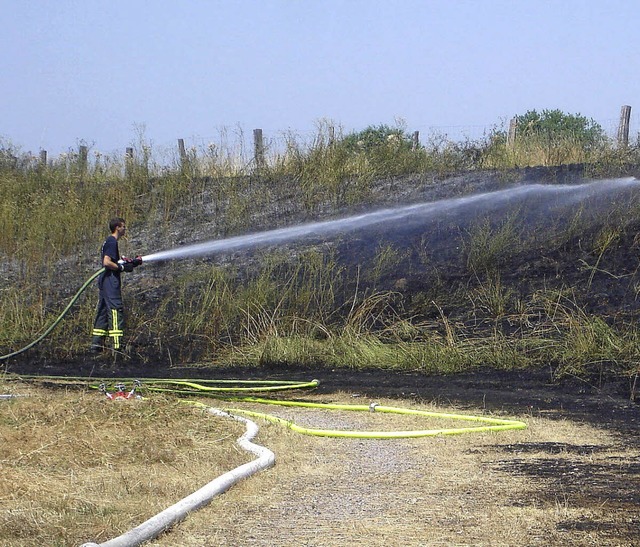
(110, 249)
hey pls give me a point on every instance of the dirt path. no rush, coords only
(571, 478)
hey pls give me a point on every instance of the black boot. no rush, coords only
(97, 345)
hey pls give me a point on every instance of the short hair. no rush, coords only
(114, 223)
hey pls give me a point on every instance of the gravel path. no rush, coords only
(477, 489)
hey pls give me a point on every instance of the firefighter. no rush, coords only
(109, 319)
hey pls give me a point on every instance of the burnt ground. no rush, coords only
(511, 233)
(602, 402)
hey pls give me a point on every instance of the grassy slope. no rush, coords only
(531, 283)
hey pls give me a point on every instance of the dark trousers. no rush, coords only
(109, 319)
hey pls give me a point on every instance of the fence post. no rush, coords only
(43, 158)
(183, 153)
(83, 154)
(258, 148)
(416, 140)
(128, 162)
(511, 135)
(623, 128)
(332, 135)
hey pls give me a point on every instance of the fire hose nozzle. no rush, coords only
(135, 262)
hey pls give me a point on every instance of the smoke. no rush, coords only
(564, 195)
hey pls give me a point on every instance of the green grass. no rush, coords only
(308, 308)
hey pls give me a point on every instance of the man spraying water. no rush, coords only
(109, 315)
(109, 319)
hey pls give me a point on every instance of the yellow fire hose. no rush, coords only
(495, 424)
(200, 387)
(236, 390)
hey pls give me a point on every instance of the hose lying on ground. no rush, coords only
(493, 424)
(200, 387)
(233, 390)
(55, 323)
(177, 512)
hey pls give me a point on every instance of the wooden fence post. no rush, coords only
(258, 148)
(183, 152)
(332, 135)
(623, 128)
(416, 140)
(43, 158)
(83, 155)
(511, 135)
(128, 162)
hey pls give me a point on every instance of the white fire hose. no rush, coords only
(177, 512)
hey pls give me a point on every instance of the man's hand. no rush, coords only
(128, 264)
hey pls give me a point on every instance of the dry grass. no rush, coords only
(76, 467)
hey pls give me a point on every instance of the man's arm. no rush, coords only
(110, 264)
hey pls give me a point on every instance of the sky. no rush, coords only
(110, 73)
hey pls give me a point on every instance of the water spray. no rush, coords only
(417, 212)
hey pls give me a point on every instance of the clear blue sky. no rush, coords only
(83, 70)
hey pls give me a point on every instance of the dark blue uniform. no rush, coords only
(110, 311)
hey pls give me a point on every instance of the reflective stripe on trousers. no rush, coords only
(115, 333)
